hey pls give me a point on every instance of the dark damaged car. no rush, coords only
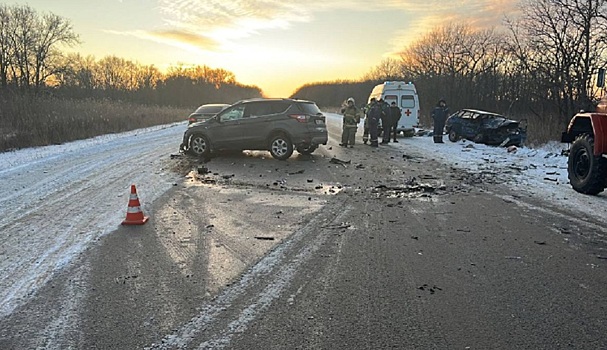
(485, 127)
(277, 125)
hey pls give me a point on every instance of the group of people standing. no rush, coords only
(389, 115)
(375, 111)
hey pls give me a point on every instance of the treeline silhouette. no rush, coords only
(334, 93)
(48, 96)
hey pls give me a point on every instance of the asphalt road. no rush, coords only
(389, 251)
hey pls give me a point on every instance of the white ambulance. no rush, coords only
(405, 96)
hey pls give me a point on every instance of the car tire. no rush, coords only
(453, 136)
(281, 147)
(479, 138)
(306, 149)
(587, 172)
(199, 146)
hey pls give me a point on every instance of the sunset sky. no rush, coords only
(277, 45)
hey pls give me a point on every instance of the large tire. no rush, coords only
(306, 149)
(199, 146)
(587, 172)
(453, 136)
(281, 147)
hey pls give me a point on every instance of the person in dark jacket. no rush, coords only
(386, 121)
(395, 115)
(439, 116)
(373, 117)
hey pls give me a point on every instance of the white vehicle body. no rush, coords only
(405, 96)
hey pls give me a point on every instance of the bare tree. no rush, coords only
(457, 62)
(29, 45)
(51, 31)
(560, 43)
(5, 48)
(388, 69)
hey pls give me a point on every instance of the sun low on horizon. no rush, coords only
(277, 45)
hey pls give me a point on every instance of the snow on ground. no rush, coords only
(56, 201)
(536, 172)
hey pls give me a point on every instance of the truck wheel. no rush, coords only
(281, 147)
(587, 172)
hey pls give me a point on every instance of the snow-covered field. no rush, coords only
(55, 201)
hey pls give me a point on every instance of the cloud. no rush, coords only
(214, 24)
(182, 39)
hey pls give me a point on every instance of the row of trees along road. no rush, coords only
(31, 61)
(542, 65)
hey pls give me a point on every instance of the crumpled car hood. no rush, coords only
(495, 123)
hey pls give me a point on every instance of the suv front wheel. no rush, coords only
(281, 147)
(199, 146)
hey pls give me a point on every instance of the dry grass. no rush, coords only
(38, 121)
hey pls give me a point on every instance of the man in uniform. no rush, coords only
(373, 116)
(350, 123)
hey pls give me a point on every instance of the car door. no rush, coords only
(261, 118)
(253, 119)
(228, 134)
(469, 124)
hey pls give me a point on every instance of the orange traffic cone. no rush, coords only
(134, 215)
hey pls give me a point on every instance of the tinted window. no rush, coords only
(390, 98)
(407, 101)
(277, 107)
(309, 108)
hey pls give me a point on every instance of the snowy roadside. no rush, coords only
(537, 172)
(56, 200)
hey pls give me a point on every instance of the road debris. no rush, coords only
(336, 160)
(410, 187)
(337, 226)
(427, 287)
(264, 238)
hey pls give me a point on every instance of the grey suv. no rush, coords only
(276, 125)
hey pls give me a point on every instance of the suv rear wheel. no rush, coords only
(199, 146)
(587, 172)
(281, 147)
